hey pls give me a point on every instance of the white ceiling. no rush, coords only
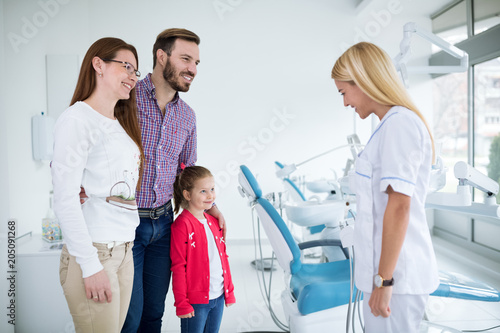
(419, 7)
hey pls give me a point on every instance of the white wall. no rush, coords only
(259, 60)
(4, 140)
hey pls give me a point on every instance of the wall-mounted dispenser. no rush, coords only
(42, 137)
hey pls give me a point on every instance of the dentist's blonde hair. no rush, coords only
(371, 69)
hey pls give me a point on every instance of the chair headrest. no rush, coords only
(295, 187)
(248, 183)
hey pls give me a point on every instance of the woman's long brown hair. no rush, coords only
(125, 109)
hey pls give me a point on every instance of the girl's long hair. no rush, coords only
(185, 182)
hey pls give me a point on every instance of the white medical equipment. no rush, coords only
(328, 186)
(352, 142)
(461, 201)
(401, 59)
(319, 217)
(314, 214)
(313, 290)
(42, 138)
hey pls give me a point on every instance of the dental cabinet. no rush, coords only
(40, 302)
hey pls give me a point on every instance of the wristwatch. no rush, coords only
(380, 282)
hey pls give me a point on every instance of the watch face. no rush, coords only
(378, 281)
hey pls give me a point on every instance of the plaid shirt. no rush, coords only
(167, 141)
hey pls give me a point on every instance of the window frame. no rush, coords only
(481, 48)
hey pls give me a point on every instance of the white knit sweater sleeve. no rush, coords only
(72, 143)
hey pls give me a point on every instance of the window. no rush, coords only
(467, 116)
(450, 122)
(487, 118)
(450, 23)
(486, 14)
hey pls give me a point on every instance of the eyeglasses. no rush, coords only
(128, 67)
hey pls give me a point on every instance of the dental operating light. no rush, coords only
(401, 59)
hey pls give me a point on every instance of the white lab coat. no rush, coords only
(398, 154)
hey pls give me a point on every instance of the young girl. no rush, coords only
(201, 279)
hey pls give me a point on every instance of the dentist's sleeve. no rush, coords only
(401, 154)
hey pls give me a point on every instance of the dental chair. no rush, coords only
(290, 187)
(296, 195)
(318, 217)
(313, 290)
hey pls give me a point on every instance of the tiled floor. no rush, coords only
(250, 314)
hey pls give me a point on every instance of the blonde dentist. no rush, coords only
(395, 265)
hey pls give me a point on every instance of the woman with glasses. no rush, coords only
(98, 146)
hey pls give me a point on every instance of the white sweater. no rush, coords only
(95, 152)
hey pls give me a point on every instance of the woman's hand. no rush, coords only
(97, 287)
(83, 195)
(379, 301)
(189, 315)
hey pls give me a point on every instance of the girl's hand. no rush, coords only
(189, 315)
(229, 304)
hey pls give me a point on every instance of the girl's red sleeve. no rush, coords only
(178, 255)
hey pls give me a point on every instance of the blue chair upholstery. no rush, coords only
(295, 187)
(321, 287)
(291, 183)
(456, 285)
(256, 192)
(279, 164)
(315, 287)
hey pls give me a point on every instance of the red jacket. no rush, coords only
(190, 263)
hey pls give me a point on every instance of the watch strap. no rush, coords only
(388, 283)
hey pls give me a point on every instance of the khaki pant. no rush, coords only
(94, 317)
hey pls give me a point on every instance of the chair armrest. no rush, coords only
(323, 242)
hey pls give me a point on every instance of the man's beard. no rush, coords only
(173, 78)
